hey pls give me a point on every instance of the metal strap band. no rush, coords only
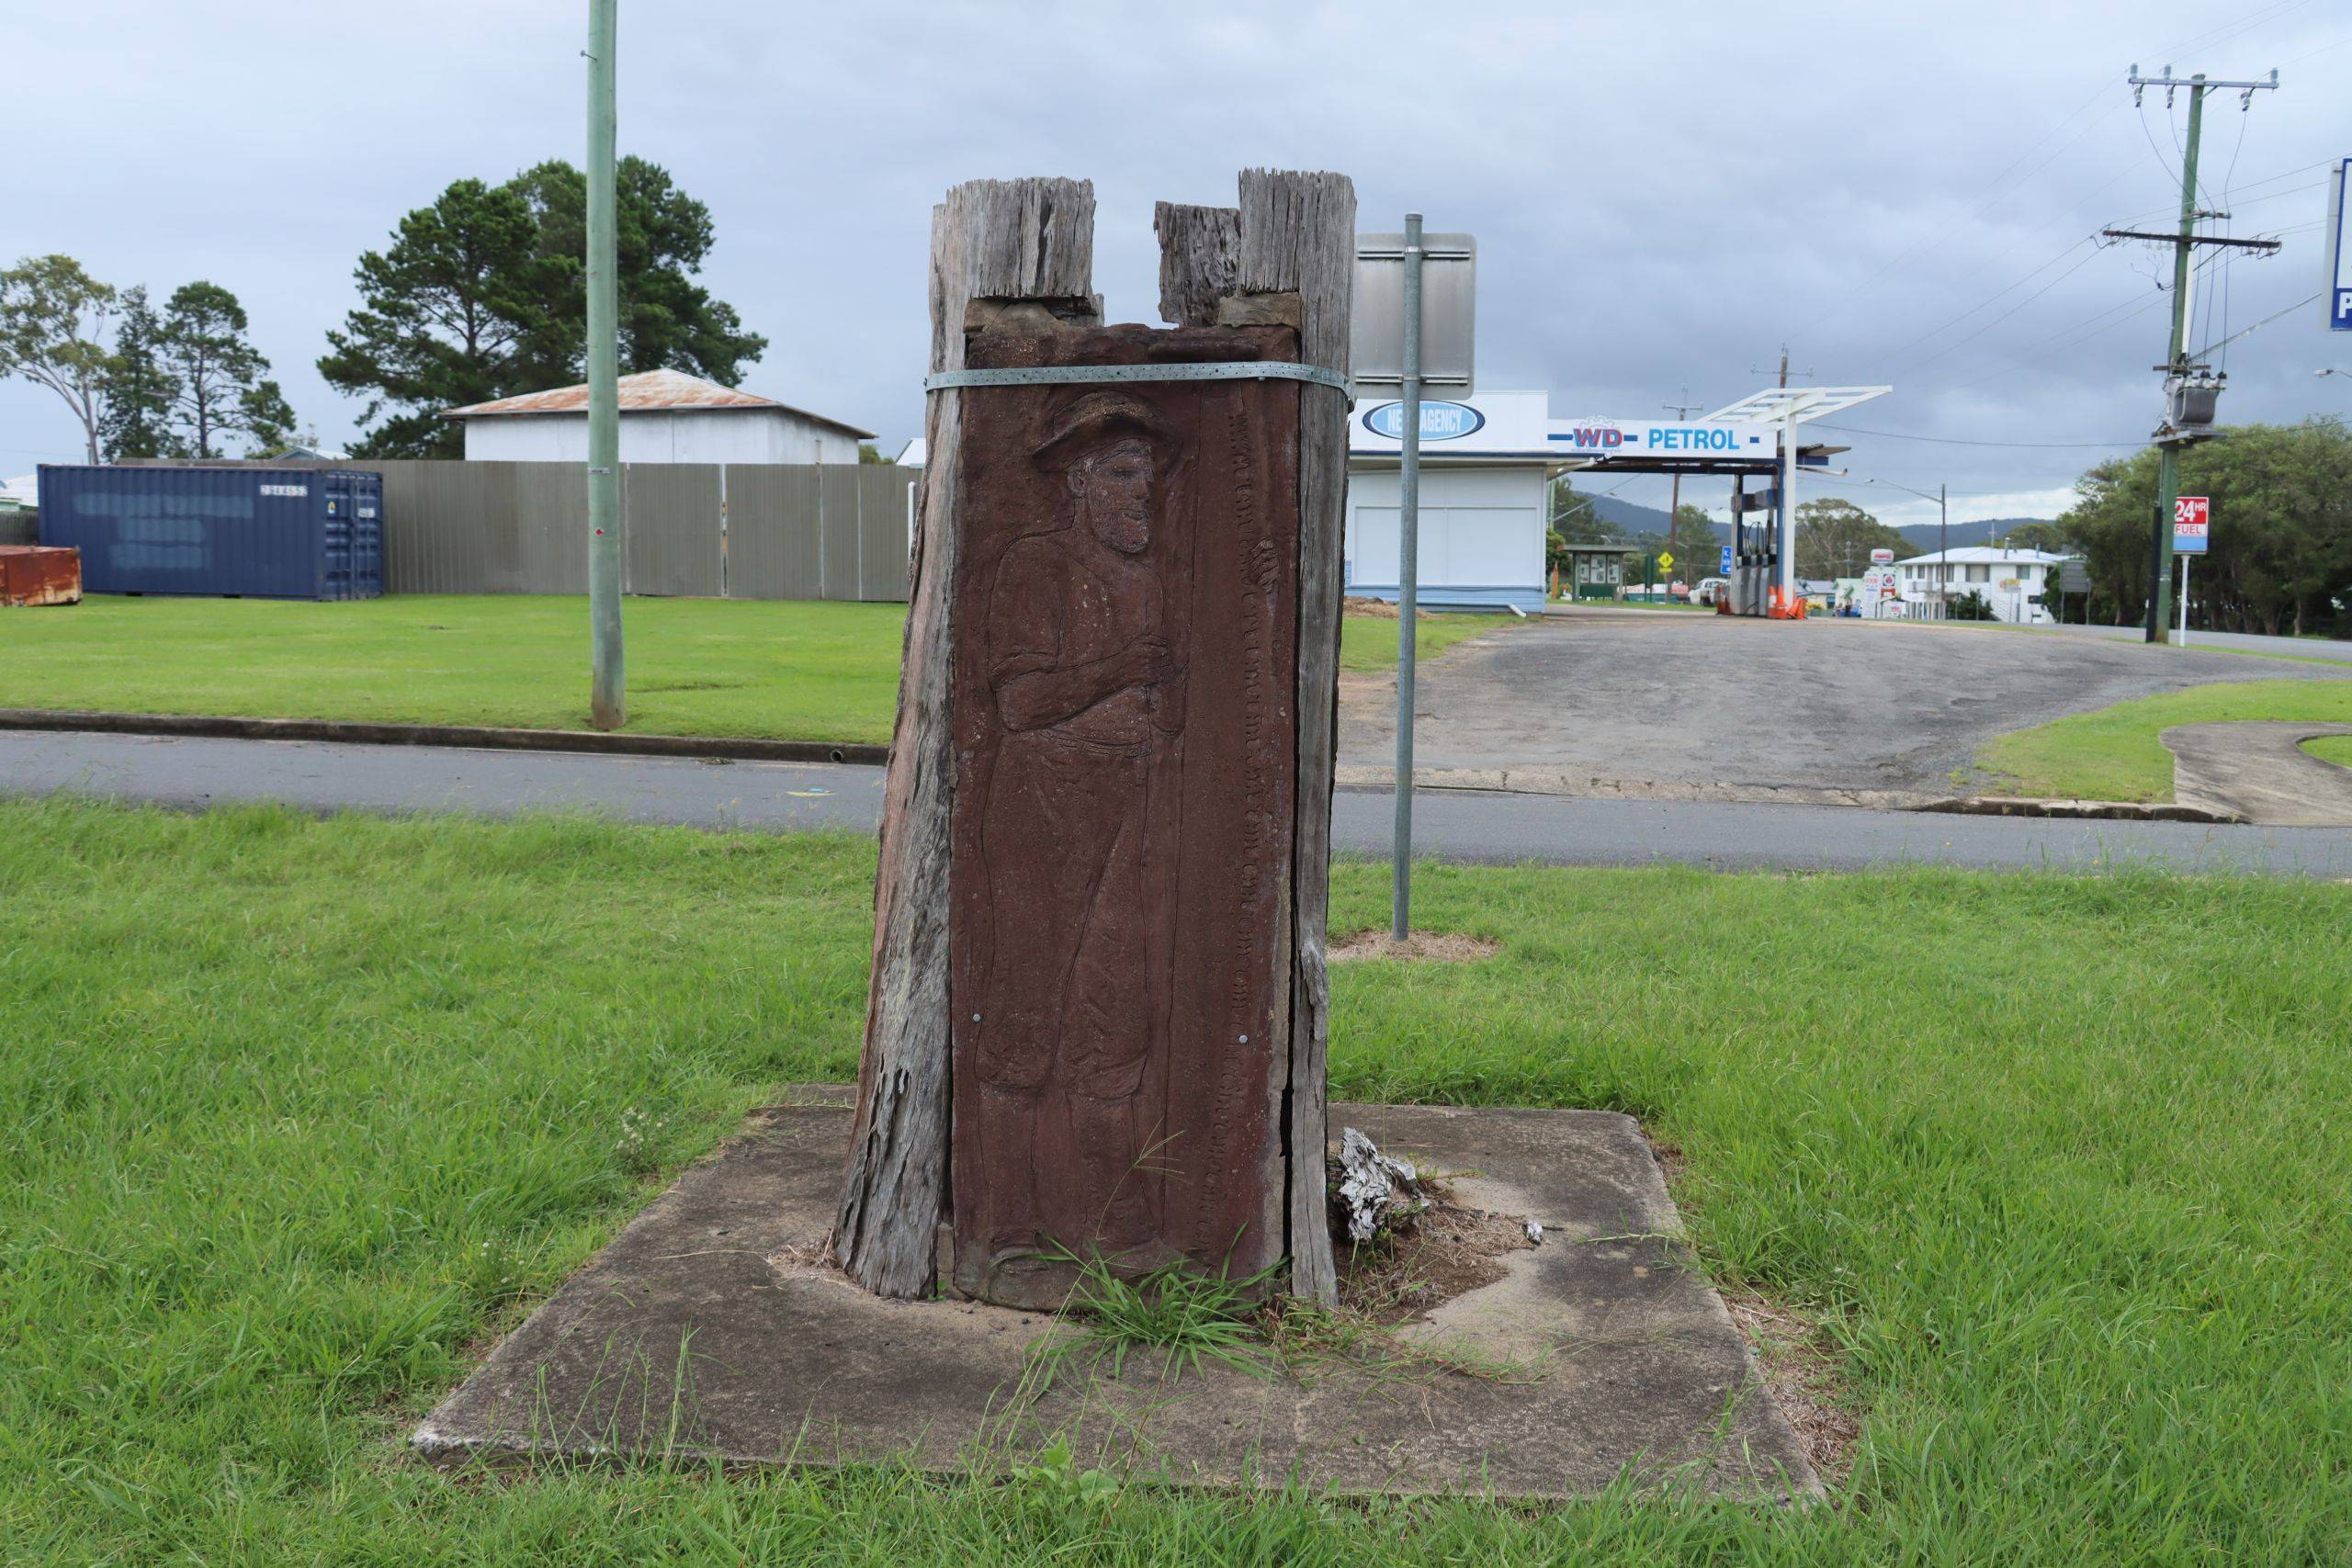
(1216, 371)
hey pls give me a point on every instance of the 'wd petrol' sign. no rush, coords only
(2192, 522)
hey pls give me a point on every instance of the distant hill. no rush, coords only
(1630, 515)
(1976, 531)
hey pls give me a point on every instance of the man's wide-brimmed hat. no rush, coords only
(1088, 419)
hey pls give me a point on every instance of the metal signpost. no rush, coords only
(2192, 524)
(1426, 340)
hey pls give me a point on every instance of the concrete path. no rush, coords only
(1448, 825)
(2259, 771)
(1675, 698)
(708, 1328)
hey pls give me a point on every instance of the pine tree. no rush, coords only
(204, 349)
(139, 389)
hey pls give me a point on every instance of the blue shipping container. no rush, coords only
(238, 532)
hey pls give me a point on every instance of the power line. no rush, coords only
(1904, 348)
(2081, 332)
(1951, 441)
(2257, 326)
(2012, 310)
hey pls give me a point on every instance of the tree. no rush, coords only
(1835, 538)
(267, 418)
(459, 309)
(2280, 555)
(139, 389)
(1577, 521)
(1697, 546)
(1969, 606)
(2051, 536)
(52, 333)
(217, 375)
(668, 321)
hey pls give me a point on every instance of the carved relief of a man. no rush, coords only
(1085, 672)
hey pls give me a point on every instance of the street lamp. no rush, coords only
(1943, 556)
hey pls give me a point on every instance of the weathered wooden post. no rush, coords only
(1098, 1015)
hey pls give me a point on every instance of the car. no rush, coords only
(1710, 590)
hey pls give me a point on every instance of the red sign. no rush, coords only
(2192, 524)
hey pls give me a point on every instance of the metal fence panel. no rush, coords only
(883, 491)
(547, 519)
(671, 518)
(837, 493)
(773, 550)
(790, 530)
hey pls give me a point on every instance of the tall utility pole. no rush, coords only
(1943, 553)
(608, 692)
(2177, 370)
(1408, 573)
(1674, 507)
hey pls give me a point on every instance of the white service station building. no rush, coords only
(1487, 466)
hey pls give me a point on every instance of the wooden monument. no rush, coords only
(1097, 1023)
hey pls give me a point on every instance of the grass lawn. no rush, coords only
(791, 670)
(2334, 748)
(300, 1112)
(2113, 753)
(1368, 643)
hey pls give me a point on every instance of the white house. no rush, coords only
(667, 416)
(2011, 580)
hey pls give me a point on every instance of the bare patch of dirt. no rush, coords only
(1446, 1250)
(1433, 947)
(1802, 1375)
(1378, 609)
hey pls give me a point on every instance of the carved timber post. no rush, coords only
(1098, 1017)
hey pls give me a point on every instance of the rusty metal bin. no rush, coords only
(39, 574)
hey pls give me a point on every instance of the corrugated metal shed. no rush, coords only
(235, 532)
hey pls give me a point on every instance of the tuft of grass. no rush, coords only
(2114, 754)
(300, 1112)
(1173, 1312)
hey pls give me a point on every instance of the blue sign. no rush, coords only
(1726, 572)
(1439, 421)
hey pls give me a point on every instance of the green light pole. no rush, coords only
(606, 701)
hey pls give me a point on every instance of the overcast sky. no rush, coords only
(1662, 196)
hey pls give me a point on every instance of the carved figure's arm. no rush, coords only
(1032, 697)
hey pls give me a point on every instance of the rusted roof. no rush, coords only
(647, 391)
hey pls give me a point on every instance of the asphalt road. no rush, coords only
(1449, 825)
(2330, 650)
(1717, 699)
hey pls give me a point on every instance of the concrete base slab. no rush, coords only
(2258, 770)
(711, 1328)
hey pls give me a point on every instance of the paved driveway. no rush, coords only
(1707, 699)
